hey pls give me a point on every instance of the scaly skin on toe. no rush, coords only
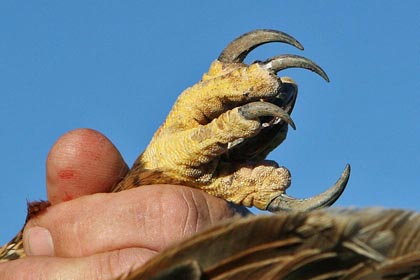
(219, 132)
(188, 147)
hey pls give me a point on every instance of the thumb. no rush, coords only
(82, 162)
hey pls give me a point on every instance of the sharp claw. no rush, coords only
(327, 198)
(239, 48)
(282, 62)
(256, 110)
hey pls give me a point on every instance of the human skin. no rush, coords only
(89, 233)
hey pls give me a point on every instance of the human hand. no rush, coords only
(90, 234)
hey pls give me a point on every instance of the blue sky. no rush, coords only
(118, 66)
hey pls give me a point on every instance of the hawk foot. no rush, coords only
(220, 131)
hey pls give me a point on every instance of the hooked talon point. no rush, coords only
(282, 62)
(239, 48)
(327, 198)
(255, 110)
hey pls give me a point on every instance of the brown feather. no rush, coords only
(329, 244)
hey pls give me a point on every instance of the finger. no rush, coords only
(152, 217)
(81, 162)
(107, 265)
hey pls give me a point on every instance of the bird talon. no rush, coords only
(282, 62)
(239, 48)
(255, 110)
(325, 199)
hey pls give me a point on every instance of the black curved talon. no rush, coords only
(286, 61)
(270, 111)
(327, 198)
(256, 110)
(239, 48)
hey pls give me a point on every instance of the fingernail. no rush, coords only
(39, 242)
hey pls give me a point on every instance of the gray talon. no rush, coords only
(236, 52)
(256, 110)
(282, 62)
(239, 48)
(327, 198)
